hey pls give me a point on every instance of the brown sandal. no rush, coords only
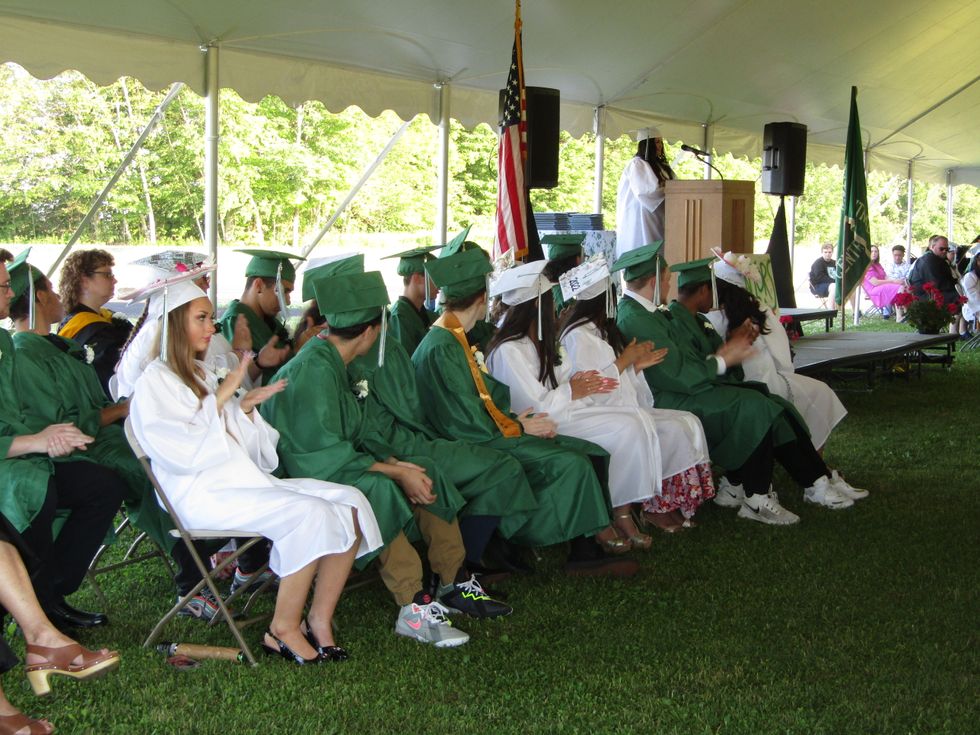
(59, 661)
(639, 540)
(11, 724)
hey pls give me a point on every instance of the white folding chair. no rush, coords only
(208, 576)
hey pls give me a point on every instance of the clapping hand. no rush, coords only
(654, 357)
(258, 395)
(587, 382)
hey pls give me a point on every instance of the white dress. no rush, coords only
(634, 466)
(682, 441)
(138, 355)
(639, 207)
(971, 289)
(773, 365)
(215, 470)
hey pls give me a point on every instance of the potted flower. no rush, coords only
(930, 314)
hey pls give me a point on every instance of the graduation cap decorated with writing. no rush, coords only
(456, 245)
(173, 261)
(349, 299)
(563, 245)
(414, 260)
(460, 275)
(23, 279)
(167, 294)
(151, 293)
(333, 265)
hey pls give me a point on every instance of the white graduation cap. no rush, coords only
(648, 132)
(521, 284)
(588, 280)
(167, 294)
(165, 278)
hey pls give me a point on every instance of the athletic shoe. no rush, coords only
(202, 606)
(822, 493)
(766, 509)
(471, 599)
(425, 620)
(728, 495)
(252, 580)
(840, 485)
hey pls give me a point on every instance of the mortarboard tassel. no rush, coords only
(280, 293)
(31, 316)
(384, 336)
(164, 329)
(610, 301)
(714, 290)
(656, 287)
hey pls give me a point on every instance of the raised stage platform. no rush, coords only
(871, 352)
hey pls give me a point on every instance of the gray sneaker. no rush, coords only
(425, 620)
(823, 493)
(766, 509)
(844, 488)
(728, 495)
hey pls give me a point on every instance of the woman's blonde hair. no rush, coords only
(180, 355)
(78, 264)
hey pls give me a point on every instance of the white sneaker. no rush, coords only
(823, 493)
(766, 509)
(425, 620)
(840, 485)
(728, 495)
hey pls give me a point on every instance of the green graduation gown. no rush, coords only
(571, 500)
(261, 329)
(407, 324)
(24, 479)
(492, 483)
(735, 419)
(321, 427)
(481, 334)
(58, 386)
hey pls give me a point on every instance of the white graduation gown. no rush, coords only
(682, 441)
(634, 466)
(971, 289)
(639, 207)
(215, 469)
(138, 355)
(773, 365)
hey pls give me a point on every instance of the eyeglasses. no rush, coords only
(107, 274)
(6, 287)
(943, 250)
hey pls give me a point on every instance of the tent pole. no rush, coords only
(211, 134)
(155, 118)
(600, 154)
(950, 201)
(442, 191)
(908, 212)
(792, 234)
(357, 187)
(706, 147)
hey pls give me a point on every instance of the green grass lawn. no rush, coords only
(856, 621)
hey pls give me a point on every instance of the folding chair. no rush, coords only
(188, 536)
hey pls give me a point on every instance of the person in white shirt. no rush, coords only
(640, 198)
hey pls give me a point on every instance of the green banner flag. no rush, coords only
(854, 241)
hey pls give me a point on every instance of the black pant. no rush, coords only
(798, 457)
(189, 575)
(93, 493)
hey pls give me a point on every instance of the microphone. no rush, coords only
(695, 151)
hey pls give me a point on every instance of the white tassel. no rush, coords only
(610, 301)
(714, 291)
(384, 336)
(486, 287)
(280, 293)
(31, 296)
(540, 326)
(164, 329)
(656, 287)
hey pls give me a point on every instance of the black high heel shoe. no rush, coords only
(327, 653)
(288, 653)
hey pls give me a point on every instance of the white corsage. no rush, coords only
(89, 354)
(478, 356)
(1, 354)
(663, 307)
(562, 354)
(361, 389)
(222, 373)
(709, 326)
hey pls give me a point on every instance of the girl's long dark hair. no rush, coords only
(739, 305)
(659, 163)
(521, 321)
(593, 310)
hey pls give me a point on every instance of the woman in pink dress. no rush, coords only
(880, 288)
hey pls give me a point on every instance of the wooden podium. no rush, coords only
(701, 215)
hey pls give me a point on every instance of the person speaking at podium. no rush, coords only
(640, 198)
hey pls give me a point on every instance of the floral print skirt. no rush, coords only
(684, 491)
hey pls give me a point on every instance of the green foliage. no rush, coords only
(286, 169)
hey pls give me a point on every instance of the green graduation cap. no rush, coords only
(265, 263)
(413, 261)
(331, 266)
(693, 272)
(460, 275)
(456, 244)
(641, 261)
(349, 299)
(563, 246)
(17, 269)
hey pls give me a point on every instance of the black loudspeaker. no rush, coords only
(783, 158)
(542, 135)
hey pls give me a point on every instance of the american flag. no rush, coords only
(511, 160)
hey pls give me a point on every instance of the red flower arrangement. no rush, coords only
(791, 326)
(931, 313)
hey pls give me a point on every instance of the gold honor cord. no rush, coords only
(508, 427)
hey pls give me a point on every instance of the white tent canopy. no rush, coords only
(688, 66)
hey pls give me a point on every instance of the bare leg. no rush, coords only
(293, 591)
(331, 576)
(7, 709)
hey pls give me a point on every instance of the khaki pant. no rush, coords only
(401, 568)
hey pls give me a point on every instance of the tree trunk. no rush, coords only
(151, 222)
(299, 141)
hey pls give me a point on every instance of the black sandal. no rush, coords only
(288, 653)
(327, 653)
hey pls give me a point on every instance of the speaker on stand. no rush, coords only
(783, 158)
(543, 120)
